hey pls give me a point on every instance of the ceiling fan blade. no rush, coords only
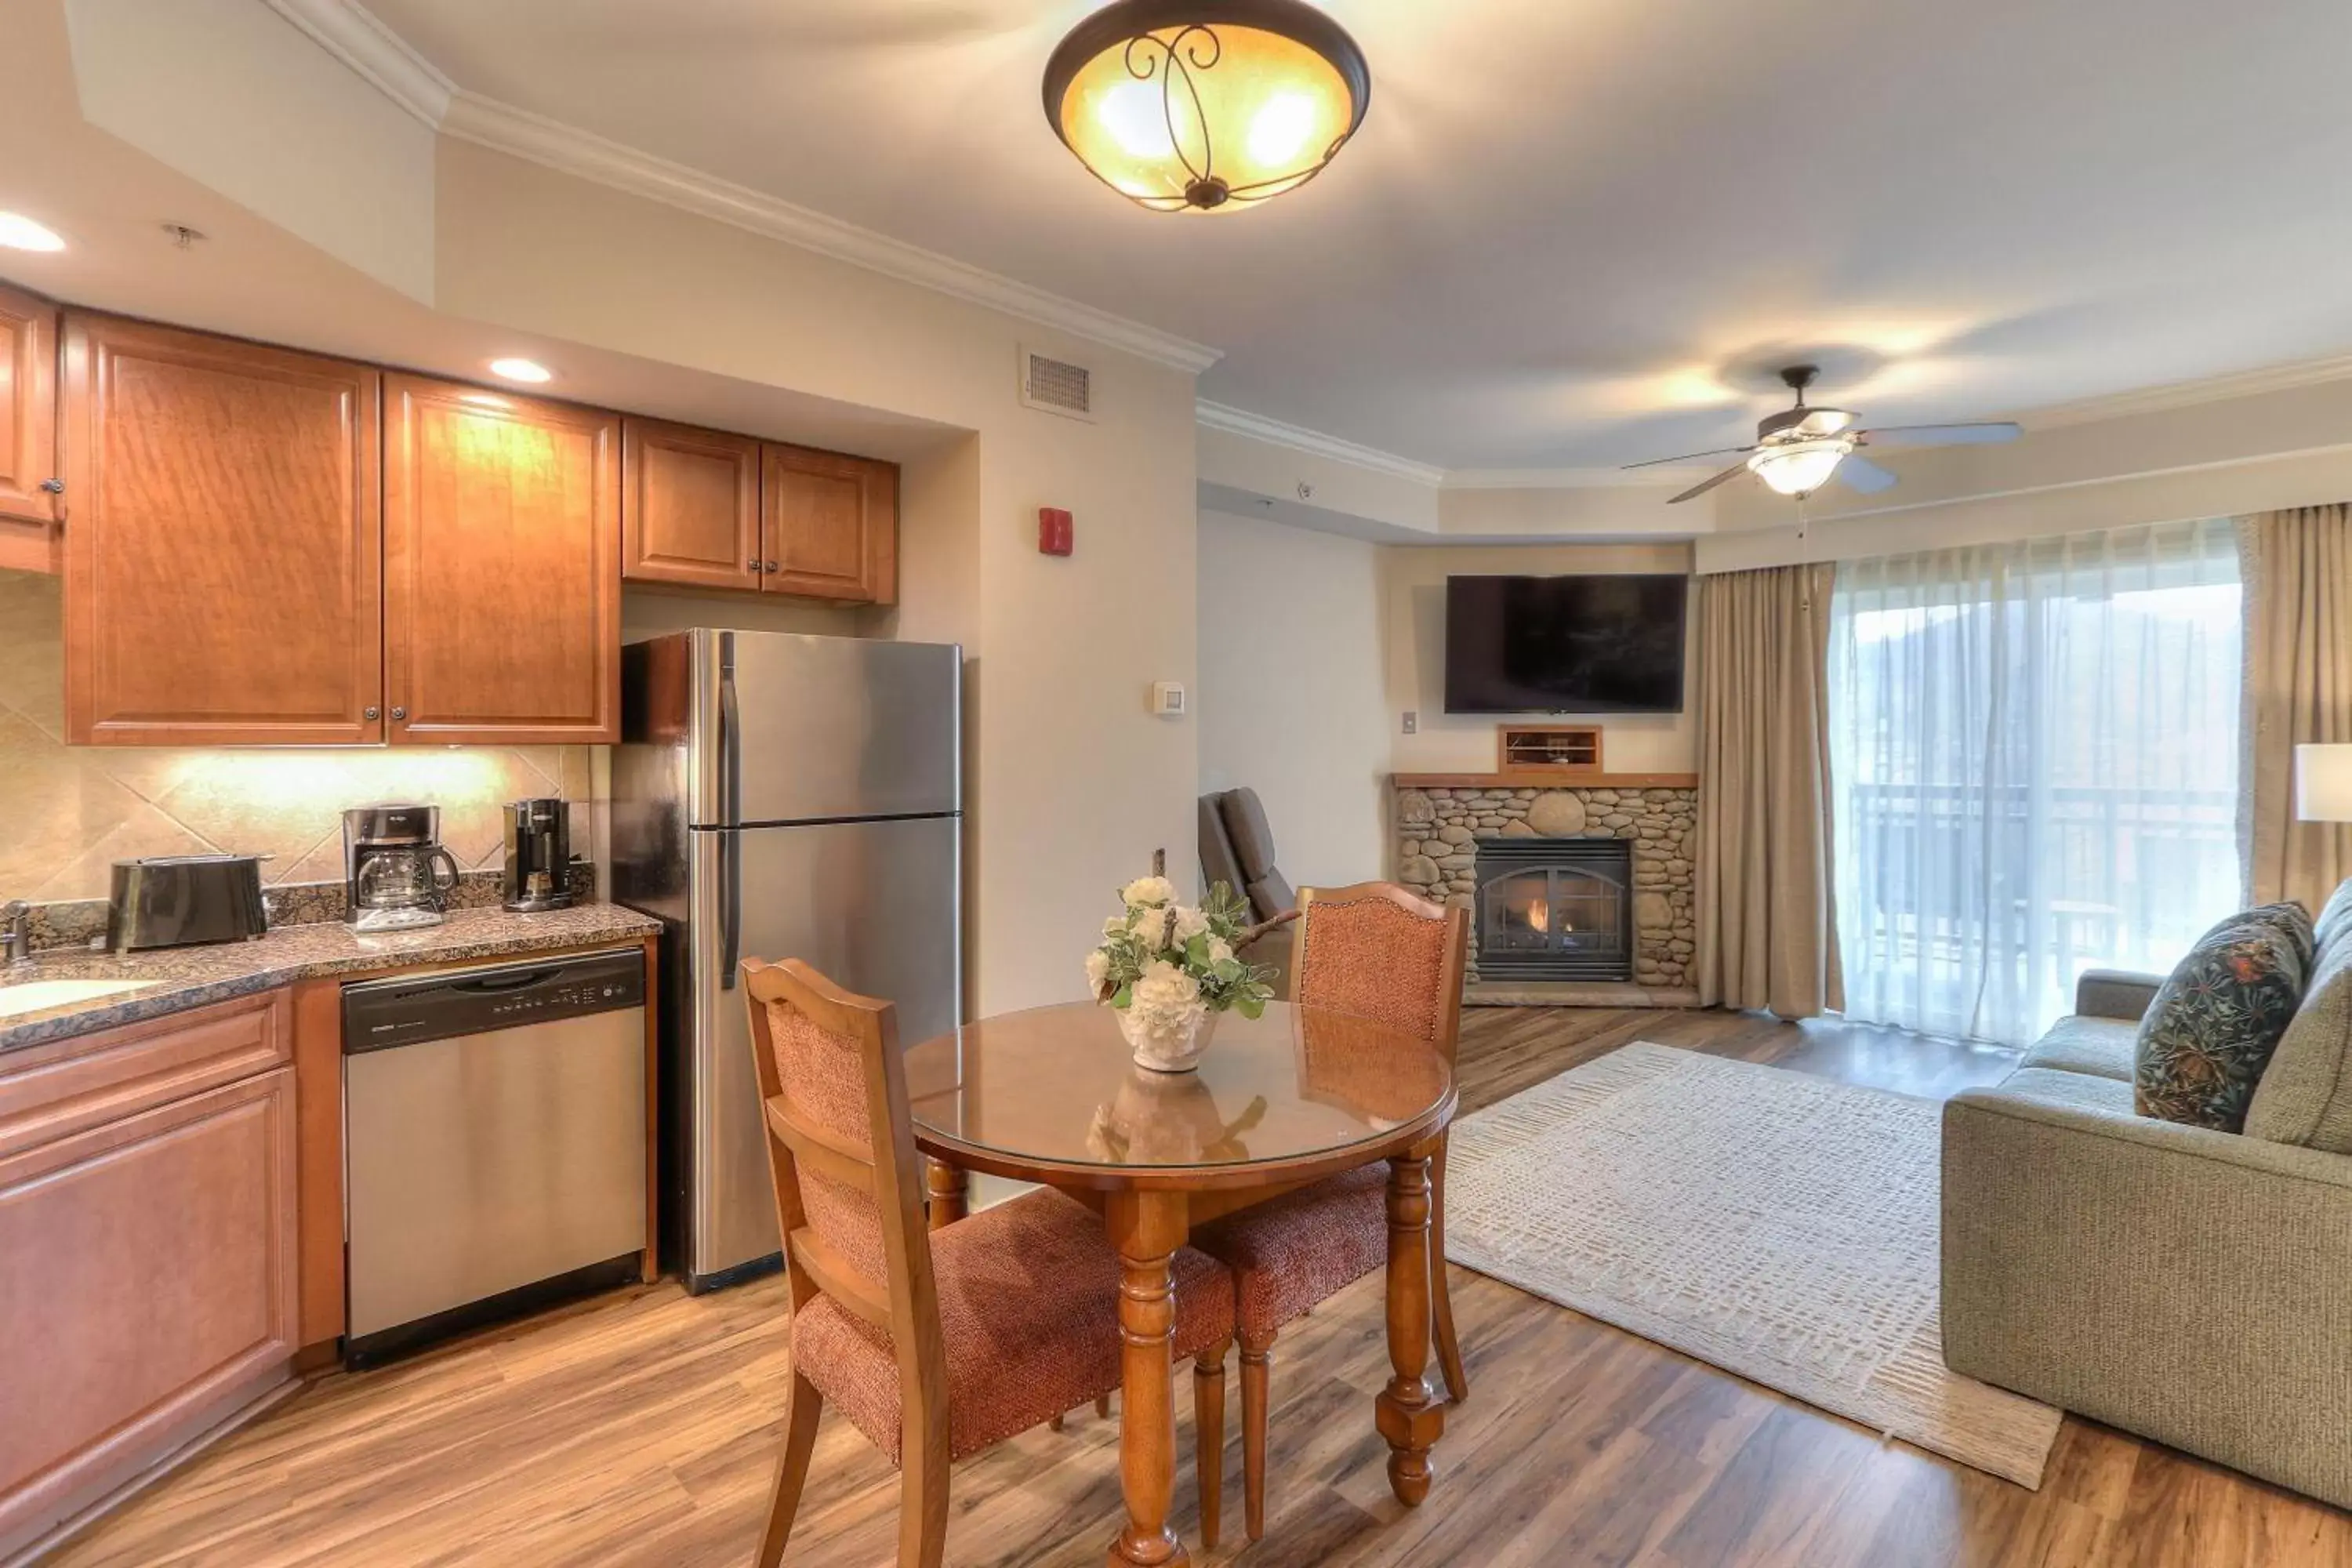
(1691, 456)
(1857, 473)
(1942, 435)
(1704, 486)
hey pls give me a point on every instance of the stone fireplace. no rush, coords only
(1554, 908)
(1451, 836)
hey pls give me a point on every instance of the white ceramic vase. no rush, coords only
(1162, 1050)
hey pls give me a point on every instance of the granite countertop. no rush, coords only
(173, 979)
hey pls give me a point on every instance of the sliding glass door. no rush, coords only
(2034, 747)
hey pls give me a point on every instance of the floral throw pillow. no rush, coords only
(2215, 1022)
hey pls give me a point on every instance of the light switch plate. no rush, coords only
(1412, 722)
(1168, 698)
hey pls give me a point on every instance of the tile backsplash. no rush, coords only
(67, 813)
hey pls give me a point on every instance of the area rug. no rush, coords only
(1780, 1226)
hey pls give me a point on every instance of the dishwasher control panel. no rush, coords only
(382, 1013)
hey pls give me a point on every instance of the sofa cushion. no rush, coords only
(2305, 1094)
(2212, 1028)
(2070, 1090)
(2101, 1046)
(1246, 826)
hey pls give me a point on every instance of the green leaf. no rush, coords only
(1122, 997)
(1250, 1006)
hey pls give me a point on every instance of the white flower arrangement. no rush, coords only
(1166, 964)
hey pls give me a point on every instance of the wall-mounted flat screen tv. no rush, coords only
(1564, 645)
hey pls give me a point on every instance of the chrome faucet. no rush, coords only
(16, 940)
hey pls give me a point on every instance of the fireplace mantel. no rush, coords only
(1555, 778)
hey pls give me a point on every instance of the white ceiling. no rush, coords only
(1569, 235)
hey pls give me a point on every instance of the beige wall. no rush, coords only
(1413, 588)
(71, 812)
(1290, 698)
(1074, 783)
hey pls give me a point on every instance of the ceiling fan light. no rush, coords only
(1799, 467)
(1206, 105)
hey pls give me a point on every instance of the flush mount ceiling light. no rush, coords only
(529, 370)
(18, 232)
(1206, 105)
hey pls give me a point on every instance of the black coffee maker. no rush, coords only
(538, 855)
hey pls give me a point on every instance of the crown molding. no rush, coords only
(1299, 438)
(382, 58)
(349, 31)
(1661, 476)
(2189, 394)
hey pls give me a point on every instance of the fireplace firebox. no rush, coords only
(1555, 909)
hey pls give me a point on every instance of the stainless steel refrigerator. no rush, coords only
(780, 796)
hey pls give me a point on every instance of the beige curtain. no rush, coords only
(1766, 921)
(2299, 576)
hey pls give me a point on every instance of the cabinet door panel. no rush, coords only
(690, 508)
(831, 524)
(149, 1292)
(222, 561)
(502, 567)
(28, 431)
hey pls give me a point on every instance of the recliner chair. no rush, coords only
(1237, 848)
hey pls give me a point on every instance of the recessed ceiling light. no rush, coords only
(20, 233)
(529, 370)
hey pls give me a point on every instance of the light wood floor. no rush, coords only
(638, 1428)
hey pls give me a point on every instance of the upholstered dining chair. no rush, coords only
(1374, 951)
(935, 1344)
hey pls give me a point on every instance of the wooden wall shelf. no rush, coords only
(1553, 780)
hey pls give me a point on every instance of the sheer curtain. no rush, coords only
(2034, 752)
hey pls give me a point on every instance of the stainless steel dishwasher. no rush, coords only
(494, 1143)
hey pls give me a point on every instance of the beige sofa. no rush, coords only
(2192, 1285)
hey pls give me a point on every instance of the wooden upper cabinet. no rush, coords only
(28, 432)
(502, 567)
(224, 546)
(690, 511)
(830, 524)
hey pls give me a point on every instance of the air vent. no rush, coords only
(1057, 387)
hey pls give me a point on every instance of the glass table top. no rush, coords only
(1057, 1085)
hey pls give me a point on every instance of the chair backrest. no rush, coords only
(1218, 861)
(1377, 951)
(841, 1147)
(1251, 839)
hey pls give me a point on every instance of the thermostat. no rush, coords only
(1168, 698)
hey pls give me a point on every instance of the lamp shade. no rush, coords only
(1206, 105)
(2323, 783)
(1799, 467)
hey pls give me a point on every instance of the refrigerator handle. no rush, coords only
(731, 843)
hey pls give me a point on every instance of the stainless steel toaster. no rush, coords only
(178, 900)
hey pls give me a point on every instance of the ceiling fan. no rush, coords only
(1799, 449)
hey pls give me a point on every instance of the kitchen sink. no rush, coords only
(34, 996)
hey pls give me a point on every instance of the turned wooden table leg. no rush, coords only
(950, 1191)
(1405, 1412)
(1146, 1227)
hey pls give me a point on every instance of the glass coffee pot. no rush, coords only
(399, 875)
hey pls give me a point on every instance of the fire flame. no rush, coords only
(1539, 916)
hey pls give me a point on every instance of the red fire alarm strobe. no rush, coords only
(1057, 535)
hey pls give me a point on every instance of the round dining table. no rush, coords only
(1052, 1095)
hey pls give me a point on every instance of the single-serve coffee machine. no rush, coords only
(396, 876)
(538, 855)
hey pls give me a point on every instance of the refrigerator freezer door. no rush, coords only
(874, 906)
(806, 729)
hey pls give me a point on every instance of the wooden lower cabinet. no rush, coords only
(147, 1292)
